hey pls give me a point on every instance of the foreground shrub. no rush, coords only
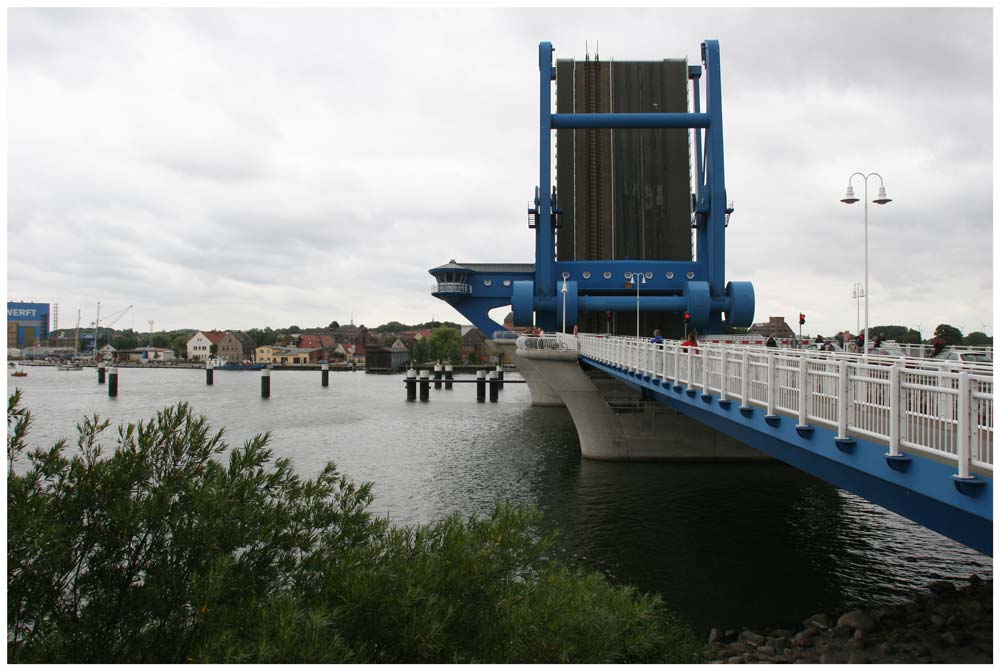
(167, 550)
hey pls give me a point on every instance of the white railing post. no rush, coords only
(663, 360)
(677, 364)
(689, 380)
(803, 390)
(745, 384)
(843, 403)
(963, 425)
(975, 408)
(894, 408)
(705, 359)
(723, 382)
(771, 366)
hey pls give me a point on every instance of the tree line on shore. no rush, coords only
(445, 342)
(907, 336)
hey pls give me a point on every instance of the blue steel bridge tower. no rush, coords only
(538, 292)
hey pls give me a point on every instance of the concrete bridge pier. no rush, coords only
(542, 393)
(614, 422)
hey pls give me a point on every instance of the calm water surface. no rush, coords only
(727, 545)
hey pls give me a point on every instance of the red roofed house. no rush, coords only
(227, 346)
(321, 341)
(410, 338)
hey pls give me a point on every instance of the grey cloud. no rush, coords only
(252, 167)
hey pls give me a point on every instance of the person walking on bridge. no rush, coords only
(657, 336)
(938, 343)
(692, 340)
(771, 342)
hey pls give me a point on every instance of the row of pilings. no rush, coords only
(110, 376)
(445, 375)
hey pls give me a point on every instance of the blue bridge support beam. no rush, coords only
(923, 490)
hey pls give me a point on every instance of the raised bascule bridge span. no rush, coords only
(909, 434)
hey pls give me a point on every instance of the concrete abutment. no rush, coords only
(614, 422)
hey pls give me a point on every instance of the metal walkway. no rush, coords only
(911, 435)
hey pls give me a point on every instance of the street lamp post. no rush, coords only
(637, 278)
(564, 290)
(858, 292)
(881, 199)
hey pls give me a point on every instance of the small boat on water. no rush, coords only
(241, 366)
(17, 370)
(218, 363)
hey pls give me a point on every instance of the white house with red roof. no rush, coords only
(227, 346)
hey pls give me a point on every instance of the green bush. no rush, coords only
(175, 548)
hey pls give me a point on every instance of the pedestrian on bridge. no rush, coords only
(692, 340)
(771, 342)
(938, 344)
(657, 336)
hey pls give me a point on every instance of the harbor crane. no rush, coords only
(109, 322)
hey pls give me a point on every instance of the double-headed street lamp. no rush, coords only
(637, 279)
(565, 277)
(881, 199)
(858, 292)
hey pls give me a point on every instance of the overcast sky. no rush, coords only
(239, 168)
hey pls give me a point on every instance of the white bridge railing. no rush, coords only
(556, 341)
(902, 402)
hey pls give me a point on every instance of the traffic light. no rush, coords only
(802, 319)
(687, 317)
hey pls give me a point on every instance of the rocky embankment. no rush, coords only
(952, 624)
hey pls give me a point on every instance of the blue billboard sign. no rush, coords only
(31, 320)
(25, 312)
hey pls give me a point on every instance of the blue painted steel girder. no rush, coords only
(715, 172)
(620, 120)
(545, 243)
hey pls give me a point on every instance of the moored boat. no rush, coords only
(241, 366)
